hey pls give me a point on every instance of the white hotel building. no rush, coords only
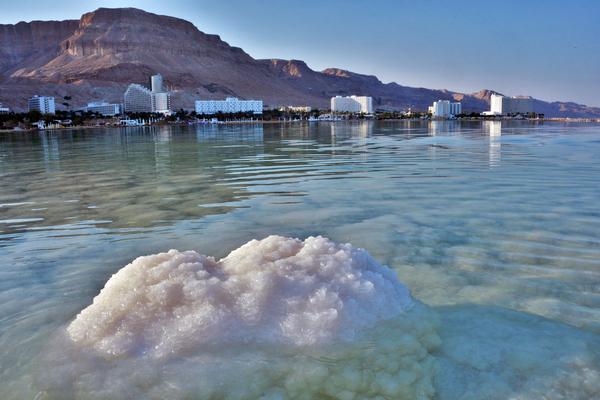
(501, 105)
(138, 98)
(352, 104)
(445, 109)
(103, 108)
(161, 103)
(43, 104)
(230, 105)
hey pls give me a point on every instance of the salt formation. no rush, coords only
(278, 318)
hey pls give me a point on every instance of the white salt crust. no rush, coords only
(278, 318)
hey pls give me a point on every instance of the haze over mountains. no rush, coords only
(96, 57)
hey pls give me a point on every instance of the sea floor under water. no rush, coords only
(493, 227)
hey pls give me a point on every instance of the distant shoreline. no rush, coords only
(70, 128)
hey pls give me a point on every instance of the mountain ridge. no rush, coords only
(95, 57)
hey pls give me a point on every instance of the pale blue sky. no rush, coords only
(545, 48)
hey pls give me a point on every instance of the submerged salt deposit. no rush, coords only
(278, 318)
(282, 318)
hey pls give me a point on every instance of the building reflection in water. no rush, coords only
(494, 131)
(226, 133)
(162, 150)
(163, 134)
(51, 150)
(360, 129)
(351, 133)
(434, 127)
(446, 127)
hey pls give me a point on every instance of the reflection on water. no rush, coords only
(489, 214)
(352, 129)
(137, 177)
(494, 129)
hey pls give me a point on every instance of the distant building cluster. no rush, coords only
(502, 105)
(230, 105)
(140, 99)
(445, 109)
(156, 99)
(352, 104)
(43, 104)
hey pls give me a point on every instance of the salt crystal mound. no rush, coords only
(278, 318)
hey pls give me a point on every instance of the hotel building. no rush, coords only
(138, 98)
(445, 109)
(161, 98)
(43, 104)
(502, 105)
(4, 110)
(156, 83)
(103, 108)
(230, 105)
(352, 104)
(161, 103)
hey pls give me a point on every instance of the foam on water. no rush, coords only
(277, 318)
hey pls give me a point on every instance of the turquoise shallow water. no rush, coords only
(495, 225)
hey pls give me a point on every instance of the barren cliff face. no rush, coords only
(117, 40)
(31, 44)
(98, 56)
(132, 33)
(122, 46)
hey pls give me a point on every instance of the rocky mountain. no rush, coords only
(32, 44)
(96, 57)
(335, 81)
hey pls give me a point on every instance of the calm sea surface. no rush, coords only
(495, 225)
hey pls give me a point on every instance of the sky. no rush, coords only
(548, 49)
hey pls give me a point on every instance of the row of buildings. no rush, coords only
(499, 106)
(156, 99)
(139, 99)
(342, 104)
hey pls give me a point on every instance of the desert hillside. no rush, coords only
(96, 57)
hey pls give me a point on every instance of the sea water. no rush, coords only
(492, 226)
